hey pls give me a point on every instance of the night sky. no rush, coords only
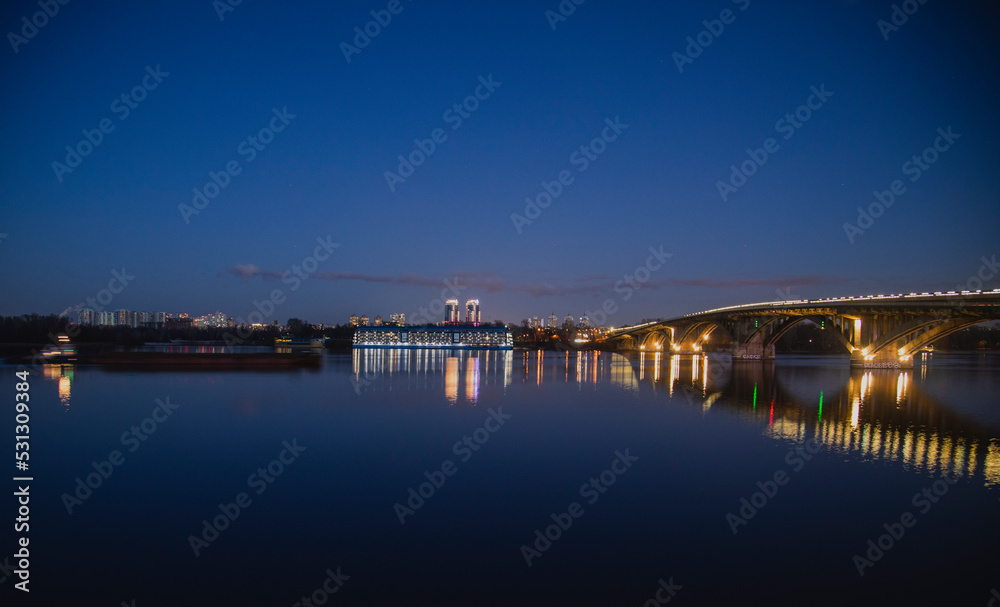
(211, 83)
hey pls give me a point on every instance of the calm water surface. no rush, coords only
(671, 463)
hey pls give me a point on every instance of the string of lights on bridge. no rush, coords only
(828, 300)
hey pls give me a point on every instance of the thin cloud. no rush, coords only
(248, 271)
(491, 282)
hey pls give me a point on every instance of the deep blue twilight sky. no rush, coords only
(655, 185)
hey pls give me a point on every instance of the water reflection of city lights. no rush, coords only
(451, 379)
(472, 379)
(62, 375)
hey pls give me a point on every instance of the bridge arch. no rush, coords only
(791, 321)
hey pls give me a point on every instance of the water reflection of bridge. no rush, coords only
(879, 415)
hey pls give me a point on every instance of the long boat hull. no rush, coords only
(234, 360)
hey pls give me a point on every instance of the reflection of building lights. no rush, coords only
(451, 379)
(64, 390)
(472, 379)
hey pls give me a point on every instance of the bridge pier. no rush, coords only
(755, 350)
(886, 359)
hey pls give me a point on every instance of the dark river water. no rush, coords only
(513, 478)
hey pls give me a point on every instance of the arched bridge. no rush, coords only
(878, 330)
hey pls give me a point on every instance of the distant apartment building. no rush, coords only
(451, 311)
(363, 321)
(353, 320)
(397, 319)
(219, 319)
(585, 321)
(552, 321)
(377, 322)
(126, 318)
(568, 322)
(472, 311)
(120, 318)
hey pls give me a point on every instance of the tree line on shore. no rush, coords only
(35, 329)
